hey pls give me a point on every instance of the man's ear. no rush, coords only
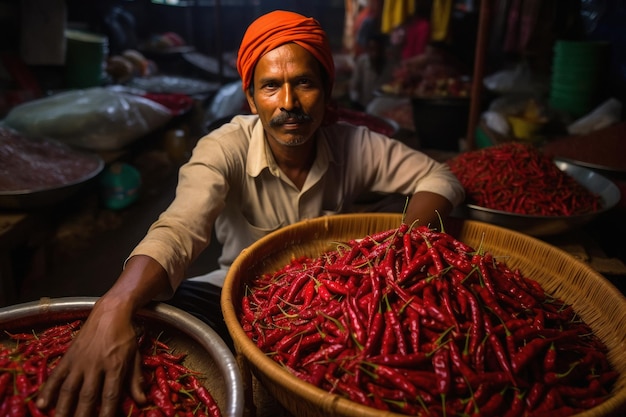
(250, 99)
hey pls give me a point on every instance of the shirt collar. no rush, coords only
(260, 155)
(257, 159)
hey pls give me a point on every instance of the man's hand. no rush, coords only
(91, 376)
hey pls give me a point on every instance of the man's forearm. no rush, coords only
(426, 208)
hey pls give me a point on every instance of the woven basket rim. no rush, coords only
(612, 305)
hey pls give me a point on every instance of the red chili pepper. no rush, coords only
(456, 259)
(5, 380)
(206, 398)
(441, 365)
(413, 320)
(324, 354)
(396, 379)
(549, 359)
(501, 356)
(434, 254)
(485, 274)
(588, 403)
(509, 286)
(491, 303)
(356, 325)
(344, 269)
(407, 246)
(417, 263)
(352, 392)
(296, 286)
(459, 364)
(476, 329)
(16, 406)
(393, 321)
(536, 392)
(247, 310)
(324, 293)
(270, 337)
(493, 407)
(375, 332)
(388, 343)
(309, 292)
(432, 309)
(284, 344)
(23, 385)
(159, 344)
(381, 395)
(161, 379)
(162, 401)
(497, 379)
(154, 412)
(528, 353)
(551, 378)
(516, 407)
(130, 408)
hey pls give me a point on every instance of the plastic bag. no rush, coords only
(517, 80)
(528, 106)
(229, 101)
(96, 119)
(604, 115)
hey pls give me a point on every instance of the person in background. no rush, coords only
(371, 70)
(366, 23)
(415, 33)
(288, 161)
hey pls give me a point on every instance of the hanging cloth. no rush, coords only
(522, 21)
(440, 20)
(395, 13)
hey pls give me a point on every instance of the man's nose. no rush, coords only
(289, 99)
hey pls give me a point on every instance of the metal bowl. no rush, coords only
(27, 199)
(206, 351)
(549, 225)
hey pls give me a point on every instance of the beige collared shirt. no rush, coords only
(233, 182)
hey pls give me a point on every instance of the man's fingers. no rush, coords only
(137, 382)
(49, 391)
(69, 386)
(88, 398)
(110, 396)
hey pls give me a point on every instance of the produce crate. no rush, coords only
(597, 301)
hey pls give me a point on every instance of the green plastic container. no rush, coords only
(120, 184)
(85, 59)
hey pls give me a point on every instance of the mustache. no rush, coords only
(285, 115)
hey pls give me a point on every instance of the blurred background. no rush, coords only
(135, 83)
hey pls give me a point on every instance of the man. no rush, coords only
(287, 162)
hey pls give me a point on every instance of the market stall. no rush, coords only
(512, 306)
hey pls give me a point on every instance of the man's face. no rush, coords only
(288, 94)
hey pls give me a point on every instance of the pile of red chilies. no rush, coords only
(415, 321)
(518, 178)
(172, 389)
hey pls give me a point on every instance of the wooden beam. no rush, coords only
(479, 69)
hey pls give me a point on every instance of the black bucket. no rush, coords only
(441, 122)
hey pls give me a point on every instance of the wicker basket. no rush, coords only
(598, 302)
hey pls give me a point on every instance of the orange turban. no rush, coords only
(278, 28)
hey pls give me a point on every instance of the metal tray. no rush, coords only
(30, 199)
(549, 225)
(206, 351)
